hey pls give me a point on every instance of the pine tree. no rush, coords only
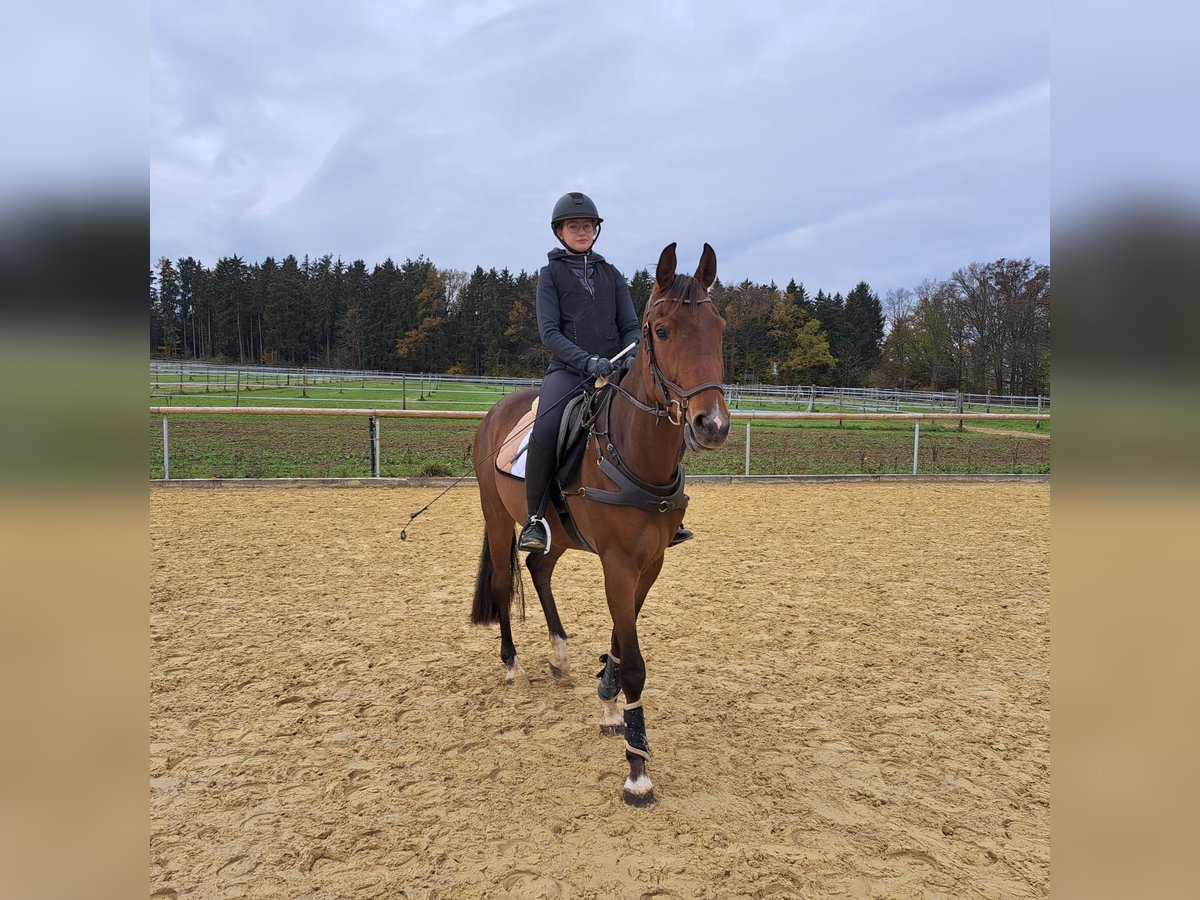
(829, 311)
(865, 327)
(639, 289)
(284, 313)
(190, 275)
(169, 314)
(529, 356)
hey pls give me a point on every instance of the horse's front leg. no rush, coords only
(626, 592)
(611, 719)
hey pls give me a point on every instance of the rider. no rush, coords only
(585, 316)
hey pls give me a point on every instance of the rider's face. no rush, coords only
(578, 234)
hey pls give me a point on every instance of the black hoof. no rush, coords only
(612, 729)
(557, 672)
(638, 800)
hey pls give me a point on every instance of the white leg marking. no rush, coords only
(612, 713)
(558, 654)
(515, 673)
(641, 787)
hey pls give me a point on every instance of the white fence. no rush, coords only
(169, 380)
(375, 415)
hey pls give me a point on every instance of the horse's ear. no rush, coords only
(665, 274)
(706, 272)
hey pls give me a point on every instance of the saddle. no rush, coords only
(572, 438)
(580, 413)
(572, 441)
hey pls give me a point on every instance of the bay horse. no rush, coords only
(672, 397)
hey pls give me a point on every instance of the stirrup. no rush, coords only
(530, 542)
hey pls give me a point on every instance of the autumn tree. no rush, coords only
(895, 359)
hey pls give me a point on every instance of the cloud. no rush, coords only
(450, 129)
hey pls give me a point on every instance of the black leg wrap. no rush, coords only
(635, 729)
(610, 678)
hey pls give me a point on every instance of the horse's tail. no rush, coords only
(485, 609)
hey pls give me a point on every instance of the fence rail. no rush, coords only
(169, 380)
(748, 416)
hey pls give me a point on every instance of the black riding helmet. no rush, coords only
(574, 205)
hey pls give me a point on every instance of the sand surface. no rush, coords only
(847, 696)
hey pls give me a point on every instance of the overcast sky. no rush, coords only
(826, 142)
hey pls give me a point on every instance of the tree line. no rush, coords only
(983, 329)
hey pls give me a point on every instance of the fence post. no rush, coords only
(812, 396)
(959, 410)
(404, 392)
(1038, 423)
(238, 394)
(747, 446)
(373, 432)
(916, 443)
(166, 449)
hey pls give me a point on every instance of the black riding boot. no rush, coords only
(539, 468)
(683, 534)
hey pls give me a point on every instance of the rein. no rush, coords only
(475, 470)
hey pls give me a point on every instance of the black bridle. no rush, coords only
(674, 409)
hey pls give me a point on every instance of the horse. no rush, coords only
(672, 397)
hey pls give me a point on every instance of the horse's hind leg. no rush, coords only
(541, 570)
(502, 544)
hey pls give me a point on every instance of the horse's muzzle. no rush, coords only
(705, 431)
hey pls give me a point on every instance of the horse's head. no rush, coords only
(682, 335)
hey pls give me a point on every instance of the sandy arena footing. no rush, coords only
(847, 696)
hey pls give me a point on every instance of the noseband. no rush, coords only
(675, 409)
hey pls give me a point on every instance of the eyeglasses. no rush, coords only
(580, 227)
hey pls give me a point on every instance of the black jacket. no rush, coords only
(583, 309)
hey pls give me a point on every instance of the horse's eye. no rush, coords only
(662, 333)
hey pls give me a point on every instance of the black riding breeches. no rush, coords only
(557, 386)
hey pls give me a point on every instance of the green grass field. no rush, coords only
(311, 446)
(365, 394)
(337, 447)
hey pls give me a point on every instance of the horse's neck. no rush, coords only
(649, 445)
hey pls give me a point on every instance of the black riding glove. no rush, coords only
(599, 365)
(627, 362)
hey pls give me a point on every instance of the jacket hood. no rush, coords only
(560, 253)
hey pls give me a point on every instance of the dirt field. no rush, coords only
(848, 696)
